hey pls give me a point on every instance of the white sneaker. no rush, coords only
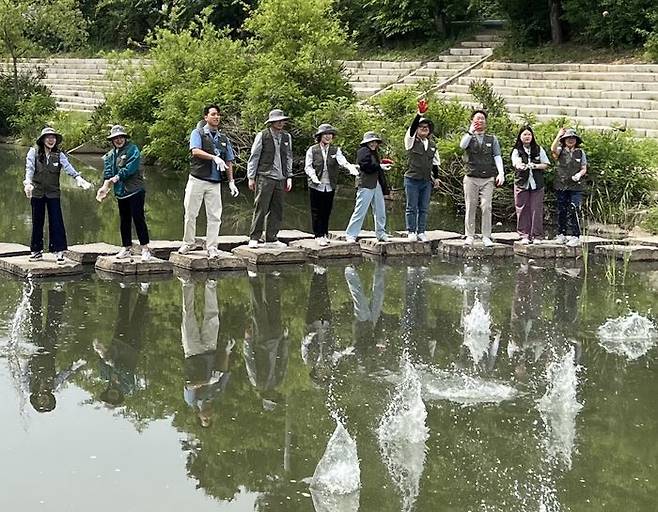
(412, 237)
(574, 241)
(213, 252)
(185, 248)
(123, 254)
(560, 239)
(322, 241)
(487, 242)
(525, 241)
(146, 254)
(59, 257)
(350, 239)
(469, 240)
(253, 244)
(383, 238)
(422, 237)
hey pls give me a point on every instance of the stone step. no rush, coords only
(568, 75)
(414, 79)
(489, 37)
(357, 64)
(470, 51)
(460, 58)
(480, 44)
(439, 64)
(374, 78)
(77, 93)
(601, 68)
(71, 106)
(564, 84)
(79, 99)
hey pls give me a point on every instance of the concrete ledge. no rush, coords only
(270, 255)
(435, 237)
(224, 242)
(88, 253)
(133, 266)
(47, 267)
(335, 249)
(547, 250)
(397, 246)
(629, 252)
(508, 237)
(198, 260)
(459, 249)
(290, 235)
(159, 248)
(11, 249)
(340, 235)
(643, 240)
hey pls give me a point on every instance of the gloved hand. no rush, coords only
(422, 106)
(103, 191)
(82, 183)
(576, 177)
(354, 169)
(28, 188)
(386, 167)
(314, 179)
(500, 179)
(288, 184)
(233, 188)
(229, 346)
(221, 164)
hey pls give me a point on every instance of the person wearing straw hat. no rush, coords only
(269, 170)
(321, 166)
(43, 165)
(122, 171)
(211, 155)
(371, 189)
(422, 174)
(571, 167)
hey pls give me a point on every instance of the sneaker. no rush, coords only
(383, 238)
(146, 254)
(525, 241)
(573, 241)
(253, 244)
(123, 253)
(560, 239)
(322, 241)
(144, 288)
(36, 255)
(213, 252)
(350, 239)
(276, 244)
(412, 237)
(487, 242)
(185, 248)
(252, 273)
(422, 237)
(469, 240)
(59, 257)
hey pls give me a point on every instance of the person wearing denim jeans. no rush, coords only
(372, 188)
(422, 173)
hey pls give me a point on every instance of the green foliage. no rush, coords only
(651, 221)
(529, 21)
(25, 104)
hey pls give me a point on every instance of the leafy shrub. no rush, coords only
(651, 221)
(25, 105)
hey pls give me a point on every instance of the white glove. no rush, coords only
(354, 169)
(314, 179)
(28, 188)
(229, 346)
(288, 184)
(500, 179)
(221, 165)
(82, 183)
(386, 167)
(576, 177)
(233, 188)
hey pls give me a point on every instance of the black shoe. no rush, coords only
(37, 255)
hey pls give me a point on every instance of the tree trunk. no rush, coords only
(555, 7)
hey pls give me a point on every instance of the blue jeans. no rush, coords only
(364, 197)
(568, 211)
(418, 200)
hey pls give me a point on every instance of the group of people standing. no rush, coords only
(269, 173)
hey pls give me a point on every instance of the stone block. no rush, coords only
(458, 248)
(198, 260)
(335, 249)
(609, 230)
(435, 237)
(591, 241)
(88, 253)
(628, 252)
(643, 240)
(397, 246)
(340, 235)
(46, 267)
(133, 266)
(264, 255)
(159, 248)
(11, 249)
(547, 249)
(224, 242)
(507, 237)
(290, 235)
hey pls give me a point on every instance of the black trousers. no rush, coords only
(56, 231)
(131, 209)
(321, 205)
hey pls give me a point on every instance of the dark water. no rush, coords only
(216, 392)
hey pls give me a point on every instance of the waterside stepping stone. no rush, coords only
(88, 253)
(643, 240)
(435, 237)
(459, 249)
(161, 249)
(335, 249)
(264, 255)
(340, 235)
(506, 237)
(133, 266)
(198, 260)
(46, 267)
(224, 242)
(547, 249)
(608, 230)
(290, 235)
(629, 252)
(591, 241)
(11, 249)
(396, 246)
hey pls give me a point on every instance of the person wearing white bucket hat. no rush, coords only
(269, 170)
(43, 166)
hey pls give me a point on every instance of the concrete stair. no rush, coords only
(76, 84)
(371, 77)
(597, 96)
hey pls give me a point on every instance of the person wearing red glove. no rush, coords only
(269, 170)
(484, 169)
(422, 174)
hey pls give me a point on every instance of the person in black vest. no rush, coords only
(211, 154)
(484, 169)
(529, 161)
(423, 173)
(321, 166)
(43, 166)
(269, 170)
(571, 167)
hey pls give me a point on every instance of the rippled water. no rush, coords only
(219, 392)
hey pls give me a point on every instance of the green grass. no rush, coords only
(405, 50)
(567, 52)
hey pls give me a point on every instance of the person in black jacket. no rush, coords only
(372, 188)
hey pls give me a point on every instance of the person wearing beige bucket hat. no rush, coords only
(43, 166)
(323, 160)
(269, 170)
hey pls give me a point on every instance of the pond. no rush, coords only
(220, 392)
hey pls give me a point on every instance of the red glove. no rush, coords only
(422, 106)
(387, 161)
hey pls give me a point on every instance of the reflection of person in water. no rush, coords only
(318, 346)
(118, 362)
(206, 368)
(44, 379)
(415, 330)
(266, 341)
